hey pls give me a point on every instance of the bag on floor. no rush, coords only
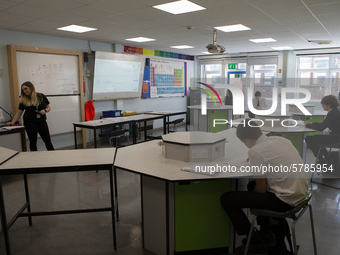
(281, 231)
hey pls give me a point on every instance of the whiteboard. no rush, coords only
(51, 74)
(64, 111)
(117, 76)
(56, 75)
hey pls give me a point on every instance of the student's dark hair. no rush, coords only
(257, 94)
(248, 130)
(330, 100)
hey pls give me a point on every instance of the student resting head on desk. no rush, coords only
(277, 191)
(332, 121)
(35, 105)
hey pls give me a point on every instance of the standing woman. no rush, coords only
(35, 105)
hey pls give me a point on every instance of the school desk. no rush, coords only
(181, 210)
(53, 162)
(167, 115)
(13, 137)
(109, 122)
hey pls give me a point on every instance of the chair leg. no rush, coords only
(294, 238)
(312, 226)
(250, 234)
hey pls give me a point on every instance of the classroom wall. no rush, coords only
(44, 41)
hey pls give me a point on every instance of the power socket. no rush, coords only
(199, 153)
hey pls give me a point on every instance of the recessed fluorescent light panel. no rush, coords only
(179, 7)
(77, 29)
(182, 47)
(140, 39)
(233, 28)
(282, 48)
(205, 52)
(262, 40)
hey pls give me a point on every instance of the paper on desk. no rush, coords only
(237, 162)
(295, 123)
(10, 127)
(192, 170)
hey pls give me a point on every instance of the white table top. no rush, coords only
(35, 160)
(218, 107)
(280, 129)
(6, 154)
(194, 137)
(166, 112)
(147, 159)
(115, 120)
(314, 113)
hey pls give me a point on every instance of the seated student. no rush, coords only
(259, 103)
(277, 191)
(228, 98)
(332, 121)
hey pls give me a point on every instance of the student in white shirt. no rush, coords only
(276, 190)
(259, 103)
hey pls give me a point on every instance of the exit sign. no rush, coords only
(232, 66)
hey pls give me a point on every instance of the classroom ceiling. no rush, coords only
(291, 22)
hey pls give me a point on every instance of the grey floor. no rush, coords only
(92, 233)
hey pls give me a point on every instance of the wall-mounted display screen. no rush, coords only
(117, 76)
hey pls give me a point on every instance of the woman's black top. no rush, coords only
(32, 112)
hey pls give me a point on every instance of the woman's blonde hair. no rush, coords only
(31, 100)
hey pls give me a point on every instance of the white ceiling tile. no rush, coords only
(15, 18)
(29, 11)
(6, 4)
(55, 5)
(91, 12)
(121, 6)
(287, 21)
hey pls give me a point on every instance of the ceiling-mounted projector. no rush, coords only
(214, 48)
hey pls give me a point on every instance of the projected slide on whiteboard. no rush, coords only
(117, 76)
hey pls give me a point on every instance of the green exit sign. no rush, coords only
(232, 66)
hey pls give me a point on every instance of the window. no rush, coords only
(319, 74)
(263, 78)
(211, 73)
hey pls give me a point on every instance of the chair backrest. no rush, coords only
(176, 121)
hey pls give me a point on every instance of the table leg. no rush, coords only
(4, 220)
(116, 191)
(113, 211)
(23, 140)
(27, 199)
(164, 125)
(134, 133)
(95, 137)
(75, 137)
(145, 130)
